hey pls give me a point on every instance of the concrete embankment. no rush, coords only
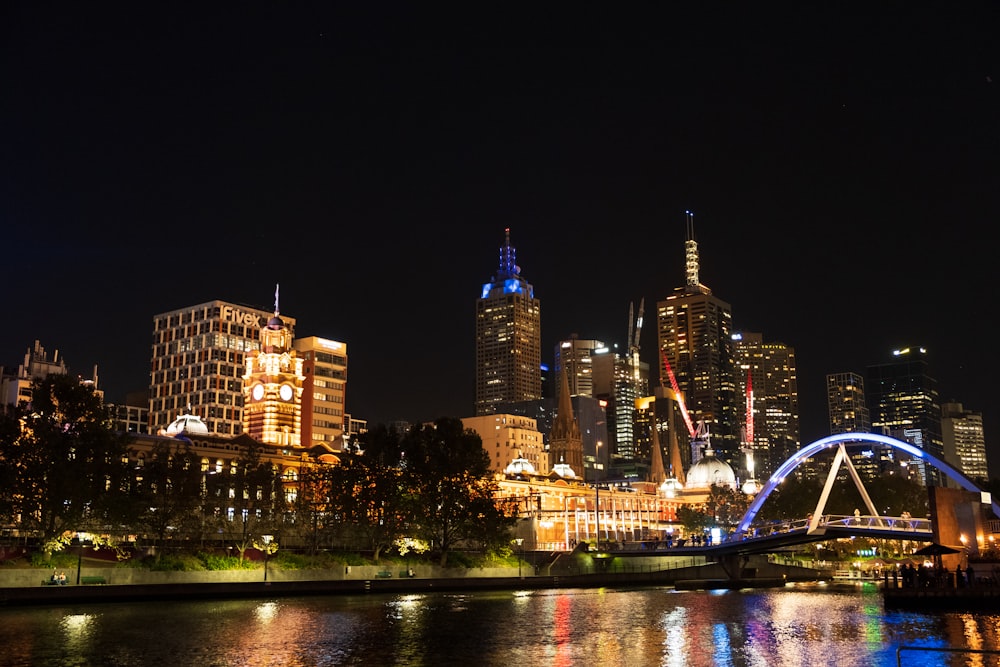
(20, 587)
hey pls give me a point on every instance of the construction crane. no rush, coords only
(633, 338)
(692, 431)
(634, 342)
(748, 437)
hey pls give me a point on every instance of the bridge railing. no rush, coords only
(862, 522)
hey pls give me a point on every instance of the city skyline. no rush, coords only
(838, 170)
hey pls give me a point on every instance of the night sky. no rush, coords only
(841, 161)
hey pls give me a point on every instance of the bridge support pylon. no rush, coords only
(732, 565)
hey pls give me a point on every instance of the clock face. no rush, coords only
(258, 392)
(286, 392)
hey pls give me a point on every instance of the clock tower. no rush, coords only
(272, 387)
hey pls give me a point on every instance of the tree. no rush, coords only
(166, 491)
(372, 498)
(694, 519)
(245, 497)
(726, 505)
(455, 495)
(65, 470)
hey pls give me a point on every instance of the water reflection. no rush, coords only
(555, 628)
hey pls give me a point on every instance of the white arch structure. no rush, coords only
(838, 441)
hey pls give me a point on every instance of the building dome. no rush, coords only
(671, 487)
(275, 323)
(189, 424)
(520, 466)
(711, 470)
(563, 470)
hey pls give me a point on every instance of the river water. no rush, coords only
(801, 624)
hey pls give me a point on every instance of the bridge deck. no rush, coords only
(779, 535)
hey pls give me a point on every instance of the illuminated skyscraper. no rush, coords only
(903, 403)
(773, 398)
(848, 411)
(694, 332)
(576, 355)
(965, 441)
(845, 403)
(508, 338)
(198, 357)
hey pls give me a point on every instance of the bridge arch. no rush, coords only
(836, 441)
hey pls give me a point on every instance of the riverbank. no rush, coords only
(26, 587)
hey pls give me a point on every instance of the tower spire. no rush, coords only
(276, 309)
(691, 253)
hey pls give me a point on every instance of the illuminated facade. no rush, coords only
(272, 387)
(558, 514)
(323, 392)
(198, 360)
(620, 380)
(845, 403)
(773, 379)
(903, 402)
(16, 388)
(508, 338)
(576, 355)
(964, 441)
(507, 437)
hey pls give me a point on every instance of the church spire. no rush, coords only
(657, 475)
(565, 441)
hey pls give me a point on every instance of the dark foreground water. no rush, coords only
(794, 626)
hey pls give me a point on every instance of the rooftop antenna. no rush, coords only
(508, 258)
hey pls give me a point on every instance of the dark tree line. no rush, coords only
(65, 470)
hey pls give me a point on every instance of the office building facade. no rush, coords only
(324, 392)
(508, 338)
(848, 413)
(845, 403)
(768, 382)
(964, 441)
(198, 360)
(903, 403)
(507, 437)
(620, 380)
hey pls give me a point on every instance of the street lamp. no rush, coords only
(80, 537)
(267, 549)
(519, 541)
(597, 495)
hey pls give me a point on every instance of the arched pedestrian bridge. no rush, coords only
(753, 537)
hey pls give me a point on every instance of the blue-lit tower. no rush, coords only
(508, 338)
